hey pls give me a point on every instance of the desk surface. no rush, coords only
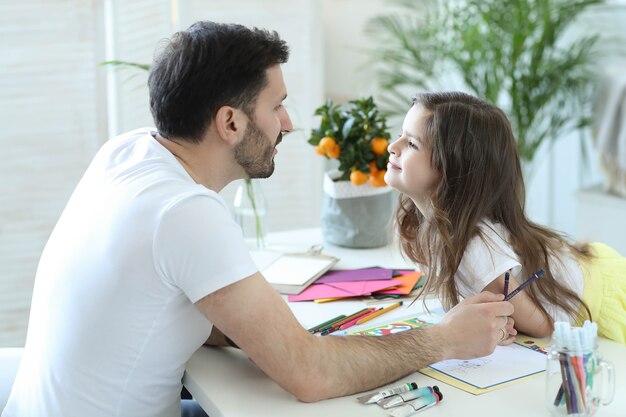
(226, 383)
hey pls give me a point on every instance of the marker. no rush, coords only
(525, 284)
(379, 312)
(506, 283)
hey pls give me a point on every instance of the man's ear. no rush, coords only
(230, 124)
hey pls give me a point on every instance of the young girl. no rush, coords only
(461, 218)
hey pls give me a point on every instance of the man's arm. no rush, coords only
(313, 368)
(216, 338)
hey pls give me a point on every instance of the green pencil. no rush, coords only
(326, 323)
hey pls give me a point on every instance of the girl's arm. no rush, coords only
(528, 318)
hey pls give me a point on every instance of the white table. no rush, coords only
(226, 383)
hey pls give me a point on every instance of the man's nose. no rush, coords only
(285, 123)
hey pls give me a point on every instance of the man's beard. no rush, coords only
(255, 153)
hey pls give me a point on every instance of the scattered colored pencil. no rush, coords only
(326, 323)
(379, 312)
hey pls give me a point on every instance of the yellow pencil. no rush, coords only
(326, 300)
(379, 312)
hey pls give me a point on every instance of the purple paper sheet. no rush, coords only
(363, 274)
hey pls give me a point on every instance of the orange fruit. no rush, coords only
(358, 177)
(379, 145)
(327, 143)
(373, 167)
(319, 150)
(333, 152)
(378, 179)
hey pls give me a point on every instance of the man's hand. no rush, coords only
(509, 337)
(476, 325)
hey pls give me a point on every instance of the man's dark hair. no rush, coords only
(208, 66)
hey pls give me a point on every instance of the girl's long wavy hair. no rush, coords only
(475, 153)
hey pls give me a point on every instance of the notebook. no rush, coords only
(291, 273)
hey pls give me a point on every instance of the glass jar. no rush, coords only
(250, 212)
(578, 383)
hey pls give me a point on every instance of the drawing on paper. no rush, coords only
(505, 364)
(465, 367)
(391, 328)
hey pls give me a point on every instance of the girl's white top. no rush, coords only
(491, 255)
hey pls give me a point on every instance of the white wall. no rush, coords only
(52, 113)
(293, 193)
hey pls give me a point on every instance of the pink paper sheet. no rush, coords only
(343, 289)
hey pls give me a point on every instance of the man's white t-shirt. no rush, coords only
(486, 259)
(112, 322)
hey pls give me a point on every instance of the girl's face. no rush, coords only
(409, 170)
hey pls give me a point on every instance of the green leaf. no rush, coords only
(517, 54)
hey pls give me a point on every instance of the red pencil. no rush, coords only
(354, 316)
(357, 319)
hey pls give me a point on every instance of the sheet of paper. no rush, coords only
(408, 282)
(362, 274)
(294, 270)
(343, 289)
(397, 324)
(505, 364)
(264, 258)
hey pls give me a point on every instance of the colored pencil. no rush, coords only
(335, 326)
(506, 283)
(379, 312)
(326, 323)
(525, 284)
(356, 319)
(340, 321)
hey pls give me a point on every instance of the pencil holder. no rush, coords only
(579, 381)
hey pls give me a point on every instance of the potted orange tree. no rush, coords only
(357, 204)
(356, 136)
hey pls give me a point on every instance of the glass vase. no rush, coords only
(251, 212)
(578, 382)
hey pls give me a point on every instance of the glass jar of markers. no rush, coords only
(579, 381)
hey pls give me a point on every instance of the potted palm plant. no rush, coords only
(517, 54)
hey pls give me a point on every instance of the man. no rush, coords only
(146, 261)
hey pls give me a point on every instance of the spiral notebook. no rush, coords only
(292, 273)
